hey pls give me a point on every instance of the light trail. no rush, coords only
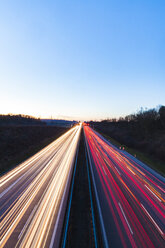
(130, 195)
(34, 195)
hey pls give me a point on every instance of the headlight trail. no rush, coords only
(34, 195)
(130, 195)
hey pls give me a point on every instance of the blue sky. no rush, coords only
(87, 59)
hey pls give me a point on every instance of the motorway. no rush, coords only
(33, 196)
(129, 196)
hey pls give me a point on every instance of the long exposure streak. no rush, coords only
(34, 195)
(130, 195)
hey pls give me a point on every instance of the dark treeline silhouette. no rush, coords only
(22, 136)
(144, 130)
(10, 119)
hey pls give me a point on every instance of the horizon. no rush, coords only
(83, 61)
(67, 118)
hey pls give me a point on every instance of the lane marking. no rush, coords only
(118, 171)
(104, 171)
(152, 219)
(90, 192)
(97, 198)
(64, 195)
(33, 190)
(27, 222)
(13, 184)
(130, 170)
(71, 194)
(125, 218)
(32, 159)
(152, 192)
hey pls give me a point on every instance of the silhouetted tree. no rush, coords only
(162, 115)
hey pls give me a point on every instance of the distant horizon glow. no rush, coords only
(71, 118)
(88, 60)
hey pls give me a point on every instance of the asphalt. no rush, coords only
(130, 196)
(34, 195)
(115, 200)
(80, 230)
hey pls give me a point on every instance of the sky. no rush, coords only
(81, 60)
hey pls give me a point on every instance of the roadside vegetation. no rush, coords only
(142, 134)
(23, 136)
(14, 120)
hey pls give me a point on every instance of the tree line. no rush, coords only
(10, 119)
(143, 130)
(147, 119)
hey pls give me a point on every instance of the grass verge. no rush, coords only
(152, 162)
(20, 143)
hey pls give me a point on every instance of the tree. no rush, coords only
(162, 115)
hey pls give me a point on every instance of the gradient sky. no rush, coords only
(86, 59)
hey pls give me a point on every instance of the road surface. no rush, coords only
(129, 196)
(33, 196)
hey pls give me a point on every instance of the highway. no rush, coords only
(33, 196)
(129, 196)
